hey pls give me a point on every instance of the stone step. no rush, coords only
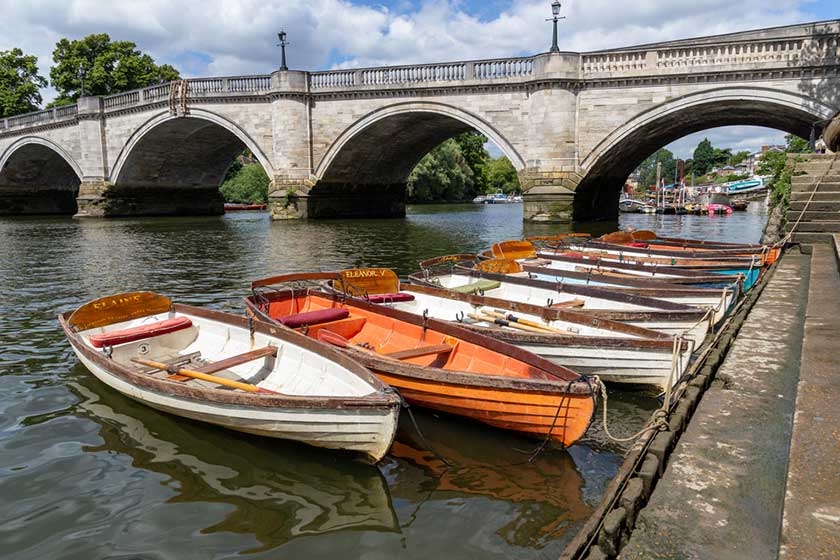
(811, 237)
(814, 166)
(818, 157)
(824, 186)
(820, 195)
(817, 205)
(811, 215)
(817, 226)
(811, 179)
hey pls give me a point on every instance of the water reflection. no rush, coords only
(87, 473)
(278, 491)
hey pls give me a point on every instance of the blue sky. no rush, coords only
(235, 37)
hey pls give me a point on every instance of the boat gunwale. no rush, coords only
(623, 283)
(382, 397)
(546, 313)
(575, 289)
(705, 254)
(566, 380)
(696, 275)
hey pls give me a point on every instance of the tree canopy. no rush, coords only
(442, 175)
(704, 157)
(647, 169)
(245, 183)
(474, 153)
(19, 83)
(502, 176)
(109, 66)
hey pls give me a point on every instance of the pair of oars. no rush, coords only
(510, 320)
(203, 376)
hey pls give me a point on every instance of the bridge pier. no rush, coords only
(103, 200)
(548, 196)
(327, 200)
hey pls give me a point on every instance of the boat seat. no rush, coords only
(390, 298)
(482, 285)
(421, 351)
(221, 365)
(314, 317)
(149, 330)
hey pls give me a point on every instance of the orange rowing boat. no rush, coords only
(435, 364)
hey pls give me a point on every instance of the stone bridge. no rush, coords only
(342, 143)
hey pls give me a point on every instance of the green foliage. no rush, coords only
(796, 145)
(722, 157)
(704, 158)
(442, 175)
(502, 176)
(477, 158)
(647, 169)
(110, 67)
(247, 185)
(739, 157)
(19, 83)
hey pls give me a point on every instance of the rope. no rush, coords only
(423, 440)
(787, 237)
(547, 439)
(659, 419)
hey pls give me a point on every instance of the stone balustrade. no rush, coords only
(671, 58)
(56, 114)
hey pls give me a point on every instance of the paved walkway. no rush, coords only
(811, 526)
(723, 491)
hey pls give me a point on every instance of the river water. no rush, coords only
(87, 473)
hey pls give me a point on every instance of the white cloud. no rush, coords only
(225, 37)
(738, 138)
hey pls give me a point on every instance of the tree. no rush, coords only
(796, 145)
(739, 157)
(647, 169)
(19, 83)
(722, 157)
(475, 154)
(442, 175)
(109, 66)
(704, 158)
(502, 176)
(248, 185)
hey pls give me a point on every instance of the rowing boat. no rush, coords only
(651, 240)
(432, 363)
(225, 370)
(492, 278)
(614, 351)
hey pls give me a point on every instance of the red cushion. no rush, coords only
(637, 245)
(390, 298)
(314, 317)
(138, 333)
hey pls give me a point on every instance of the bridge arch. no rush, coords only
(38, 176)
(606, 168)
(374, 156)
(176, 164)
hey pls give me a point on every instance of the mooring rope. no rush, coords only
(659, 419)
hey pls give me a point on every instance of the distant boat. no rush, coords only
(480, 199)
(630, 205)
(232, 207)
(746, 186)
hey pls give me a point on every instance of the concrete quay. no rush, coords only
(757, 472)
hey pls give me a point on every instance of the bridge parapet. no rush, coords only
(423, 74)
(37, 118)
(767, 54)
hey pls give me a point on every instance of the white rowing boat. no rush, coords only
(224, 370)
(614, 351)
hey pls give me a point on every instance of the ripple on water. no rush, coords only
(88, 473)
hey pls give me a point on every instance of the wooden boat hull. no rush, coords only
(362, 422)
(539, 402)
(649, 313)
(613, 351)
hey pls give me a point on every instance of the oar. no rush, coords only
(504, 323)
(514, 319)
(204, 376)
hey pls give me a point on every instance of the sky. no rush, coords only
(237, 37)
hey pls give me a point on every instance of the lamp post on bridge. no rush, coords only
(282, 44)
(82, 73)
(555, 11)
